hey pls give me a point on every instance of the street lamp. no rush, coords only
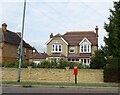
(21, 43)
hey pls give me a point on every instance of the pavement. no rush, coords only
(8, 88)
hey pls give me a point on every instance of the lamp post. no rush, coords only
(21, 43)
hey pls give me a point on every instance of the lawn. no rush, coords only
(30, 84)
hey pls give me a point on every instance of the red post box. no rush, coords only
(75, 70)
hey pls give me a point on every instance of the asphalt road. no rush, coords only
(43, 89)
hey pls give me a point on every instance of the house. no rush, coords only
(9, 43)
(75, 46)
(38, 58)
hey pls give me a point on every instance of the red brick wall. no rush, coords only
(9, 53)
(9, 59)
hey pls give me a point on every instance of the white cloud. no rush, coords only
(57, 16)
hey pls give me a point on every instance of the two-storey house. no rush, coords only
(75, 46)
(9, 43)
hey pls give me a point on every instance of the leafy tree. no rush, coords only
(98, 60)
(113, 29)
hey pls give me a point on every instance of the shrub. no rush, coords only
(10, 64)
(63, 63)
(44, 64)
(25, 64)
(112, 72)
(79, 65)
(1, 65)
(34, 65)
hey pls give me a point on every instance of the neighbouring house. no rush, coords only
(38, 58)
(75, 46)
(9, 43)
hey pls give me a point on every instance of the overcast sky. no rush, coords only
(55, 16)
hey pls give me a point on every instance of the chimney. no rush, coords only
(51, 35)
(19, 34)
(96, 29)
(4, 27)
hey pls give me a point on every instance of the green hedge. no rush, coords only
(111, 75)
(15, 64)
(112, 72)
(61, 64)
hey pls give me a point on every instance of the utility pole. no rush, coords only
(21, 43)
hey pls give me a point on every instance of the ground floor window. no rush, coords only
(85, 61)
(73, 60)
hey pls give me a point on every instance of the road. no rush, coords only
(43, 89)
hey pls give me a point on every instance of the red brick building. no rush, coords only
(9, 42)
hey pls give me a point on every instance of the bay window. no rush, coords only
(85, 61)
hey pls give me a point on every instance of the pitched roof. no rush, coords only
(12, 38)
(74, 38)
(58, 35)
(39, 56)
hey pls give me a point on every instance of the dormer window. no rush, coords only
(57, 47)
(72, 49)
(85, 46)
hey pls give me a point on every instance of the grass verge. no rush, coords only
(30, 84)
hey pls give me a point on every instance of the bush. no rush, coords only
(98, 60)
(79, 65)
(112, 72)
(44, 64)
(34, 65)
(111, 75)
(63, 63)
(10, 64)
(16, 64)
(25, 64)
(1, 65)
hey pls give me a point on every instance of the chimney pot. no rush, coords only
(51, 35)
(4, 27)
(96, 29)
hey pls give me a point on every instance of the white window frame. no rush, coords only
(72, 47)
(87, 61)
(87, 43)
(56, 45)
(82, 48)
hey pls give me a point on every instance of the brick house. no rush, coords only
(9, 42)
(75, 46)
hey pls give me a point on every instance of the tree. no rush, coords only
(112, 42)
(113, 29)
(98, 60)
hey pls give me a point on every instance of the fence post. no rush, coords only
(67, 74)
(29, 72)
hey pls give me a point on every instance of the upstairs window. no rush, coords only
(72, 50)
(85, 48)
(56, 48)
(60, 47)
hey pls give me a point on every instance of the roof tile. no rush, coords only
(74, 38)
